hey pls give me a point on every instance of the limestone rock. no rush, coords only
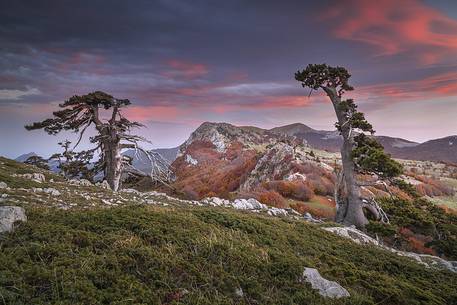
(326, 288)
(104, 185)
(37, 177)
(353, 234)
(9, 215)
(81, 182)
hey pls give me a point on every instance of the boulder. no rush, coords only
(82, 182)
(51, 191)
(3, 185)
(353, 234)
(9, 215)
(326, 288)
(37, 177)
(104, 185)
(277, 212)
(248, 204)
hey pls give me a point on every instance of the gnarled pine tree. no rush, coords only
(359, 153)
(80, 112)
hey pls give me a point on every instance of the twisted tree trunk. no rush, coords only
(352, 213)
(112, 157)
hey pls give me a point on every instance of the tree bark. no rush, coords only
(113, 159)
(354, 214)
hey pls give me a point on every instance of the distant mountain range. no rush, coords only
(443, 149)
(440, 150)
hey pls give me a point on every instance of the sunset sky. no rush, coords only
(185, 62)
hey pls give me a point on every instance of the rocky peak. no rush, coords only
(292, 129)
(222, 135)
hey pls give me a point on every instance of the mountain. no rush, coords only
(141, 161)
(292, 129)
(24, 157)
(221, 159)
(439, 150)
(444, 149)
(53, 164)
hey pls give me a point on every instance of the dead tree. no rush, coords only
(113, 133)
(359, 153)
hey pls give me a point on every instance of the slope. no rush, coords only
(128, 252)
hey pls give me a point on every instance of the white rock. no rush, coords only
(132, 191)
(277, 212)
(3, 185)
(296, 176)
(353, 234)
(105, 185)
(239, 292)
(9, 215)
(191, 160)
(326, 288)
(37, 177)
(51, 191)
(82, 182)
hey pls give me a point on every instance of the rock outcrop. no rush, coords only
(326, 288)
(9, 215)
(36, 177)
(424, 259)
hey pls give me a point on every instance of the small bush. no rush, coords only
(298, 190)
(272, 198)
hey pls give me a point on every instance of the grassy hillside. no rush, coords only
(177, 254)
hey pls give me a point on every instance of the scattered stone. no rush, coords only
(9, 215)
(104, 185)
(191, 160)
(353, 234)
(308, 217)
(3, 185)
(239, 292)
(296, 176)
(248, 204)
(328, 289)
(36, 177)
(81, 182)
(277, 212)
(51, 191)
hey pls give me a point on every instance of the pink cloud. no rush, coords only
(440, 85)
(184, 69)
(84, 62)
(395, 27)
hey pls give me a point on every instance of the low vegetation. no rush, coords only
(152, 255)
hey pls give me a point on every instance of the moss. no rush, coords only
(142, 255)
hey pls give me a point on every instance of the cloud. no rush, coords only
(435, 86)
(254, 89)
(15, 94)
(396, 27)
(181, 69)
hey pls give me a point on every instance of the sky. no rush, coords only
(182, 63)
